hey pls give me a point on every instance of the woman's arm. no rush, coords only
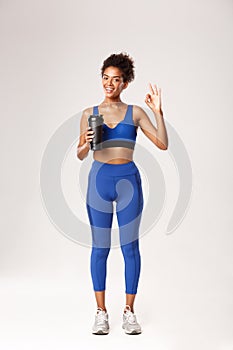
(85, 136)
(157, 135)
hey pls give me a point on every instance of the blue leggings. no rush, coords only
(120, 183)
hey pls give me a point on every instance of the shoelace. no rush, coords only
(100, 316)
(131, 317)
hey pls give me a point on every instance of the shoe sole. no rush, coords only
(100, 333)
(132, 332)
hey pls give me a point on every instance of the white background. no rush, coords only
(51, 54)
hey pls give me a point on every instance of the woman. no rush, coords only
(115, 177)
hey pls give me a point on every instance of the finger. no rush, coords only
(90, 134)
(156, 90)
(159, 92)
(89, 139)
(151, 88)
(148, 102)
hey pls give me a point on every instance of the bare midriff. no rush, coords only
(114, 155)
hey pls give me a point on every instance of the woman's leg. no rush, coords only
(132, 260)
(100, 300)
(100, 213)
(101, 241)
(130, 301)
(129, 218)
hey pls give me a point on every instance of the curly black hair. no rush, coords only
(122, 61)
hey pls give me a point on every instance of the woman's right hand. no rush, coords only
(89, 134)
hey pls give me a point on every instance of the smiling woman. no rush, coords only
(114, 176)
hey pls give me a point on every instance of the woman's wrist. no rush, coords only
(158, 112)
(82, 151)
(88, 145)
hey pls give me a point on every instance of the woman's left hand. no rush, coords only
(153, 100)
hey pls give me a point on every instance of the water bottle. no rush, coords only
(95, 121)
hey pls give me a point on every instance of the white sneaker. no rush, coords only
(130, 324)
(101, 325)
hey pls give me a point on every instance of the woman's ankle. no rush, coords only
(128, 308)
(103, 308)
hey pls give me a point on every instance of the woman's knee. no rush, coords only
(100, 253)
(131, 249)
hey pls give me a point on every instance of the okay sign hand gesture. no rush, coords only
(153, 99)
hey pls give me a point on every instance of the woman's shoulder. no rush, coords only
(137, 109)
(88, 110)
(138, 114)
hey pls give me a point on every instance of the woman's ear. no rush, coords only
(125, 85)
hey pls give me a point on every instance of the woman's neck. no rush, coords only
(112, 100)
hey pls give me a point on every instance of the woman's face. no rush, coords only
(112, 81)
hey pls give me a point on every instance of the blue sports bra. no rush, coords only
(123, 134)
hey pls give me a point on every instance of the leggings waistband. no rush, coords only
(115, 169)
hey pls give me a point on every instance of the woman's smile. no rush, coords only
(109, 90)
